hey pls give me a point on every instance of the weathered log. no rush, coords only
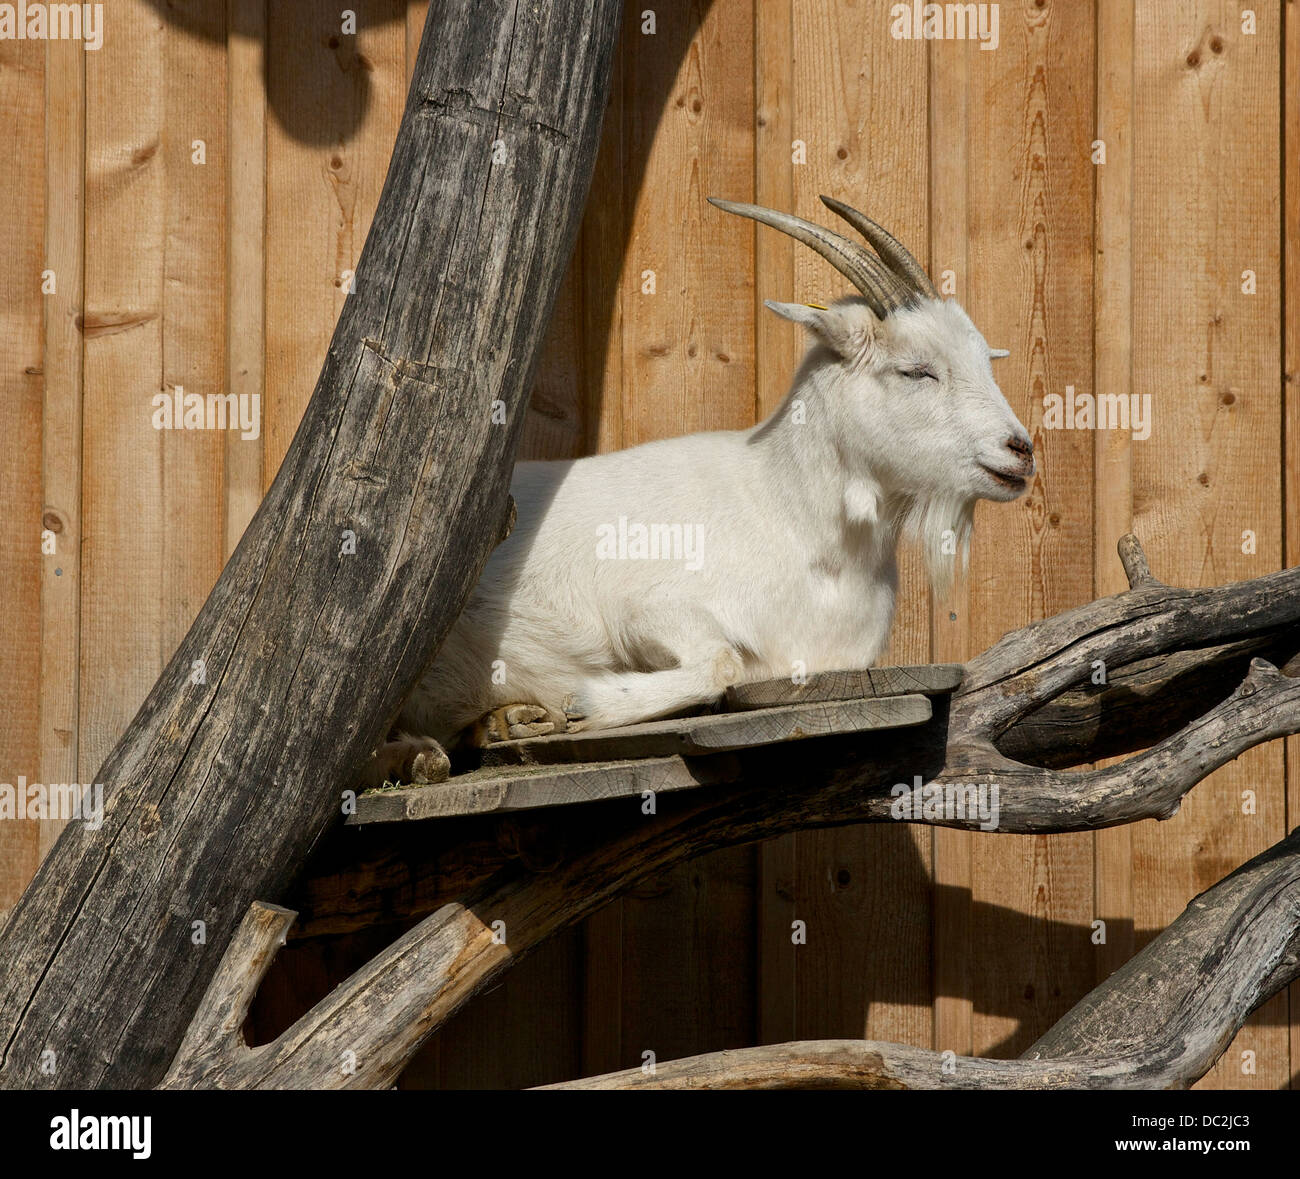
(355, 566)
(581, 861)
(1159, 1022)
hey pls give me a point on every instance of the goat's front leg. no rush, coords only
(608, 699)
(407, 758)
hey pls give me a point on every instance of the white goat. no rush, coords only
(780, 539)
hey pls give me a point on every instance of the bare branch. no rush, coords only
(1134, 559)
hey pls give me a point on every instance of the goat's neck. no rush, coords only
(835, 498)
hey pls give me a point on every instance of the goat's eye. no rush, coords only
(919, 372)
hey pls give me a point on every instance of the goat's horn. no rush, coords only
(896, 255)
(881, 288)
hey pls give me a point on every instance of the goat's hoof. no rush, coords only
(425, 762)
(526, 720)
(418, 760)
(430, 766)
(514, 722)
(575, 712)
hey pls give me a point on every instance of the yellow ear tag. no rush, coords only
(816, 306)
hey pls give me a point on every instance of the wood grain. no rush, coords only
(22, 567)
(245, 210)
(61, 427)
(999, 141)
(1290, 101)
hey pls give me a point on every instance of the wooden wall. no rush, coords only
(1117, 277)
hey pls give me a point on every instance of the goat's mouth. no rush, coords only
(1006, 479)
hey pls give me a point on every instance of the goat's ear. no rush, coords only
(845, 334)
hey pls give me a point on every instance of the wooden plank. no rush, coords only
(1290, 101)
(1113, 449)
(1030, 118)
(194, 157)
(1206, 138)
(65, 191)
(22, 566)
(246, 255)
(123, 613)
(495, 791)
(877, 682)
(694, 735)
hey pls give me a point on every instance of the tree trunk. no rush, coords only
(357, 563)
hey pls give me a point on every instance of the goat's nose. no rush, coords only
(1020, 446)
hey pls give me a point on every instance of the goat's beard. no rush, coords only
(941, 526)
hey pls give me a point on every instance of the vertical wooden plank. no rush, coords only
(864, 892)
(686, 364)
(122, 465)
(65, 131)
(194, 157)
(1290, 102)
(1206, 140)
(246, 255)
(22, 126)
(949, 135)
(1113, 375)
(1030, 187)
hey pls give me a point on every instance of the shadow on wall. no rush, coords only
(318, 83)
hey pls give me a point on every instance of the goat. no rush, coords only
(781, 539)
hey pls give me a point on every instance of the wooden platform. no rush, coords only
(676, 754)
